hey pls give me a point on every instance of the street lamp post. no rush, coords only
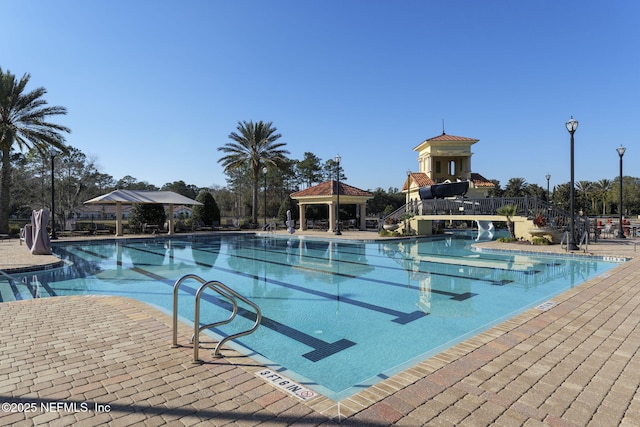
(52, 152)
(572, 125)
(264, 171)
(548, 176)
(620, 151)
(337, 230)
(408, 204)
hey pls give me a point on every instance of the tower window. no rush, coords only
(452, 167)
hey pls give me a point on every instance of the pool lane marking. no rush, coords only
(455, 276)
(321, 348)
(321, 250)
(347, 245)
(401, 317)
(453, 295)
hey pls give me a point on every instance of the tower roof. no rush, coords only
(446, 138)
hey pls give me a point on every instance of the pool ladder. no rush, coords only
(225, 292)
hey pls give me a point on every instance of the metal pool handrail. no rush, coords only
(224, 291)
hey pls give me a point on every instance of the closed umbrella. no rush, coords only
(40, 244)
(290, 227)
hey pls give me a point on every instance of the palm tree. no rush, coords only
(603, 186)
(586, 195)
(23, 120)
(508, 211)
(255, 146)
(516, 187)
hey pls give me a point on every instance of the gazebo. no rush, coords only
(326, 193)
(120, 197)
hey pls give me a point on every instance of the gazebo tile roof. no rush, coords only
(329, 188)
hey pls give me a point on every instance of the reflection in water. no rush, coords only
(205, 252)
(146, 254)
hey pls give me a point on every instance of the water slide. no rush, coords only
(446, 189)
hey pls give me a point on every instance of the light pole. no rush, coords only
(620, 151)
(408, 209)
(264, 171)
(337, 230)
(572, 125)
(548, 176)
(52, 152)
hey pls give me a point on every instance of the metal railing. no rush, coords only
(225, 292)
(525, 206)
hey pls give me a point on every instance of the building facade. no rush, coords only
(445, 158)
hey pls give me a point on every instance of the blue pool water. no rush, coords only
(338, 316)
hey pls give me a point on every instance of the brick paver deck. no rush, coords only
(90, 360)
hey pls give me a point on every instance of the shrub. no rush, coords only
(208, 213)
(540, 241)
(539, 220)
(387, 233)
(147, 214)
(14, 230)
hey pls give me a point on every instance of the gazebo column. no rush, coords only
(170, 231)
(303, 219)
(363, 217)
(118, 219)
(332, 217)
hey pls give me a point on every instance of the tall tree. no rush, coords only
(309, 169)
(602, 187)
(23, 121)
(496, 190)
(76, 178)
(329, 170)
(254, 145)
(516, 187)
(130, 183)
(534, 190)
(180, 187)
(586, 197)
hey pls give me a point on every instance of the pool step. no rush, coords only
(12, 289)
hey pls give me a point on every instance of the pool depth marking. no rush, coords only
(286, 384)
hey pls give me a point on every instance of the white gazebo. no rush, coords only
(120, 197)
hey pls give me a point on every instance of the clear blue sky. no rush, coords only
(153, 87)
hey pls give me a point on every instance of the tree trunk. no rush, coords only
(510, 228)
(254, 204)
(5, 187)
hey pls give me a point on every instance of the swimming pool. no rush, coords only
(338, 316)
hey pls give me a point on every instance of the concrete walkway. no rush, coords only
(91, 360)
